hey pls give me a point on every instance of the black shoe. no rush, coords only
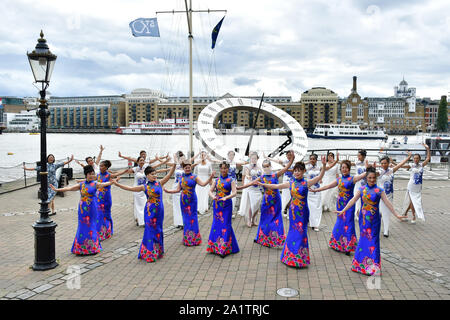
(386, 235)
(347, 253)
(52, 214)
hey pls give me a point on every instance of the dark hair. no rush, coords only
(385, 158)
(224, 163)
(254, 153)
(88, 158)
(52, 156)
(143, 151)
(88, 169)
(185, 163)
(347, 163)
(330, 153)
(106, 163)
(299, 166)
(139, 158)
(362, 152)
(149, 169)
(417, 155)
(180, 154)
(266, 161)
(371, 170)
(314, 156)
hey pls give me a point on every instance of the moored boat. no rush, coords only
(345, 131)
(164, 127)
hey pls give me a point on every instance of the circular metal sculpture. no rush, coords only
(207, 136)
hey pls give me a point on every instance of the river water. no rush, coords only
(26, 148)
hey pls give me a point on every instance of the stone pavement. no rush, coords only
(415, 258)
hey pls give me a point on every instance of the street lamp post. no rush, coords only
(42, 62)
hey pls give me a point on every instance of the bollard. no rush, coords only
(129, 167)
(24, 174)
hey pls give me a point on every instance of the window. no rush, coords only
(348, 111)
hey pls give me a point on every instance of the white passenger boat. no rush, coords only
(345, 131)
(164, 127)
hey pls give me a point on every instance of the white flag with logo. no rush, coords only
(145, 27)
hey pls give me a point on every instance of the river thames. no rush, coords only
(16, 148)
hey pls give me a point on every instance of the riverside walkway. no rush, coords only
(415, 258)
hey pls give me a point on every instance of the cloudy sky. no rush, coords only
(275, 47)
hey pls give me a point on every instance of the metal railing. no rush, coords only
(441, 168)
(17, 178)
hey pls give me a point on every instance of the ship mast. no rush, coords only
(188, 13)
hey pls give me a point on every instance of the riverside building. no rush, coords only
(400, 114)
(145, 105)
(354, 109)
(318, 105)
(86, 113)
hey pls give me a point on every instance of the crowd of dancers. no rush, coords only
(308, 189)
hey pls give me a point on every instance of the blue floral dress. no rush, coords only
(222, 240)
(367, 254)
(343, 237)
(188, 204)
(104, 202)
(87, 240)
(232, 169)
(270, 229)
(296, 251)
(51, 177)
(152, 246)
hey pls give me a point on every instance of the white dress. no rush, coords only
(386, 180)
(286, 193)
(360, 169)
(203, 172)
(314, 198)
(243, 207)
(96, 168)
(414, 190)
(176, 206)
(329, 197)
(140, 199)
(254, 192)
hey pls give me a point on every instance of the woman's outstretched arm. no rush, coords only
(329, 186)
(350, 203)
(168, 175)
(75, 187)
(128, 188)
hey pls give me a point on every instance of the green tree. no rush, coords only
(442, 120)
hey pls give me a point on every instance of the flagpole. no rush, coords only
(189, 12)
(191, 103)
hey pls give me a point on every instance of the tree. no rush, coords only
(442, 120)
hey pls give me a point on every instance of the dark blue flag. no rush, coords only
(215, 33)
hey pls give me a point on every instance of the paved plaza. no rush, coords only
(415, 258)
